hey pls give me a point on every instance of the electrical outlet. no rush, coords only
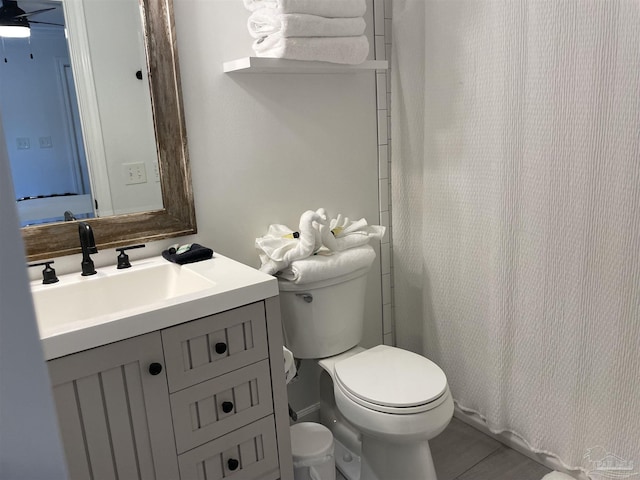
(23, 143)
(134, 173)
(45, 142)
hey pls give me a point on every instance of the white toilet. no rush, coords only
(383, 404)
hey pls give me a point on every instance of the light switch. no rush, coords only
(45, 142)
(134, 173)
(23, 143)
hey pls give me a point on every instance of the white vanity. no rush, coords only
(178, 379)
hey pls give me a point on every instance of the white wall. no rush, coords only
(30, 447)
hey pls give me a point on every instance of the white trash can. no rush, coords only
(312, 449)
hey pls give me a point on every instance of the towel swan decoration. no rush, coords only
(281, 246)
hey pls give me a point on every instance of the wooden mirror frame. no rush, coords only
(178, 215)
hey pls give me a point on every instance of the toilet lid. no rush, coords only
(391, 377)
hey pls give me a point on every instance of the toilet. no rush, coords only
(382, 404)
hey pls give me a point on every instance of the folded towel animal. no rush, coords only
(267, 21)
(324, 8)
(323, 267)
(342, 234)
(345, 50)
(281, 246)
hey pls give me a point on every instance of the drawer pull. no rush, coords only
(155, 368)
(233, 464)
(227, 407)
(220, 348)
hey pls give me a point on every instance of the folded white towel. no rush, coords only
(322, 267)
(557, 476)
(346, 50)
(324, 8)
(267, 21)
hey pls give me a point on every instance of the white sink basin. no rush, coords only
(85, 298)
(78, 312)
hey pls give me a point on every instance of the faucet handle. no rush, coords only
(48, 274)
(123, 258)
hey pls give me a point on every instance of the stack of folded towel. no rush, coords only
(319, 249)
(321, 30)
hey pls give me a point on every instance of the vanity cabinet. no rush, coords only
(204, 399)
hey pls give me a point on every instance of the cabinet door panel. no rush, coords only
(72, 431)
(96, 429)
(249, 453)
(139, 420)
(115, 417)
(199, 412)
(190, 348)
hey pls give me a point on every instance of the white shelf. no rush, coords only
(281, 65)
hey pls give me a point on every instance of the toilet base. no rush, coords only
(383, 460)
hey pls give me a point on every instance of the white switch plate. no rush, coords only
(134, 173)
(45, 142)
(23, 143)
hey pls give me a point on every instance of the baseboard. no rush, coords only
(516, 443)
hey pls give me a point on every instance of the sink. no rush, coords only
(78, 312)
(78, 298)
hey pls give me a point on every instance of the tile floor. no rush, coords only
(463, 453)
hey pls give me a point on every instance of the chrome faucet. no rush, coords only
(88, 245)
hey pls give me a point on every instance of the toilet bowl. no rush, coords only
(397, 401)
(382, 404)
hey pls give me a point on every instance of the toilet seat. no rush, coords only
(403, 382)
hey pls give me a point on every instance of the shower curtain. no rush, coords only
(516, 214)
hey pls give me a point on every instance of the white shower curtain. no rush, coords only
(516, 213)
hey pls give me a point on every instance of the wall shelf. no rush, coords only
(281, 65)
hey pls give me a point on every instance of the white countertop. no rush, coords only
(233, 285)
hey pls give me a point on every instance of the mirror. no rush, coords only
(52, 173)
(177, 217)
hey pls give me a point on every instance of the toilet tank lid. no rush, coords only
(402, 378)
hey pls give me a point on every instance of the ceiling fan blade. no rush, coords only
(47, 23)
(28, 14)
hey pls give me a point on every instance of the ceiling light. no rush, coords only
(15, 31)
(13, 21)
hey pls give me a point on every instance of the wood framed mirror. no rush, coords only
(177, 217)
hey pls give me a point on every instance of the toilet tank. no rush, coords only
(324, 318)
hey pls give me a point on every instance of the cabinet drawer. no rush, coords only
(215, 407)
(202, 349)
(249, 453)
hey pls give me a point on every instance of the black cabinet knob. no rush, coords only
(220, 348)
(233, 464)
(227, 407)
(155, 368)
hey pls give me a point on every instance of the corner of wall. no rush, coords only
(382, 46)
